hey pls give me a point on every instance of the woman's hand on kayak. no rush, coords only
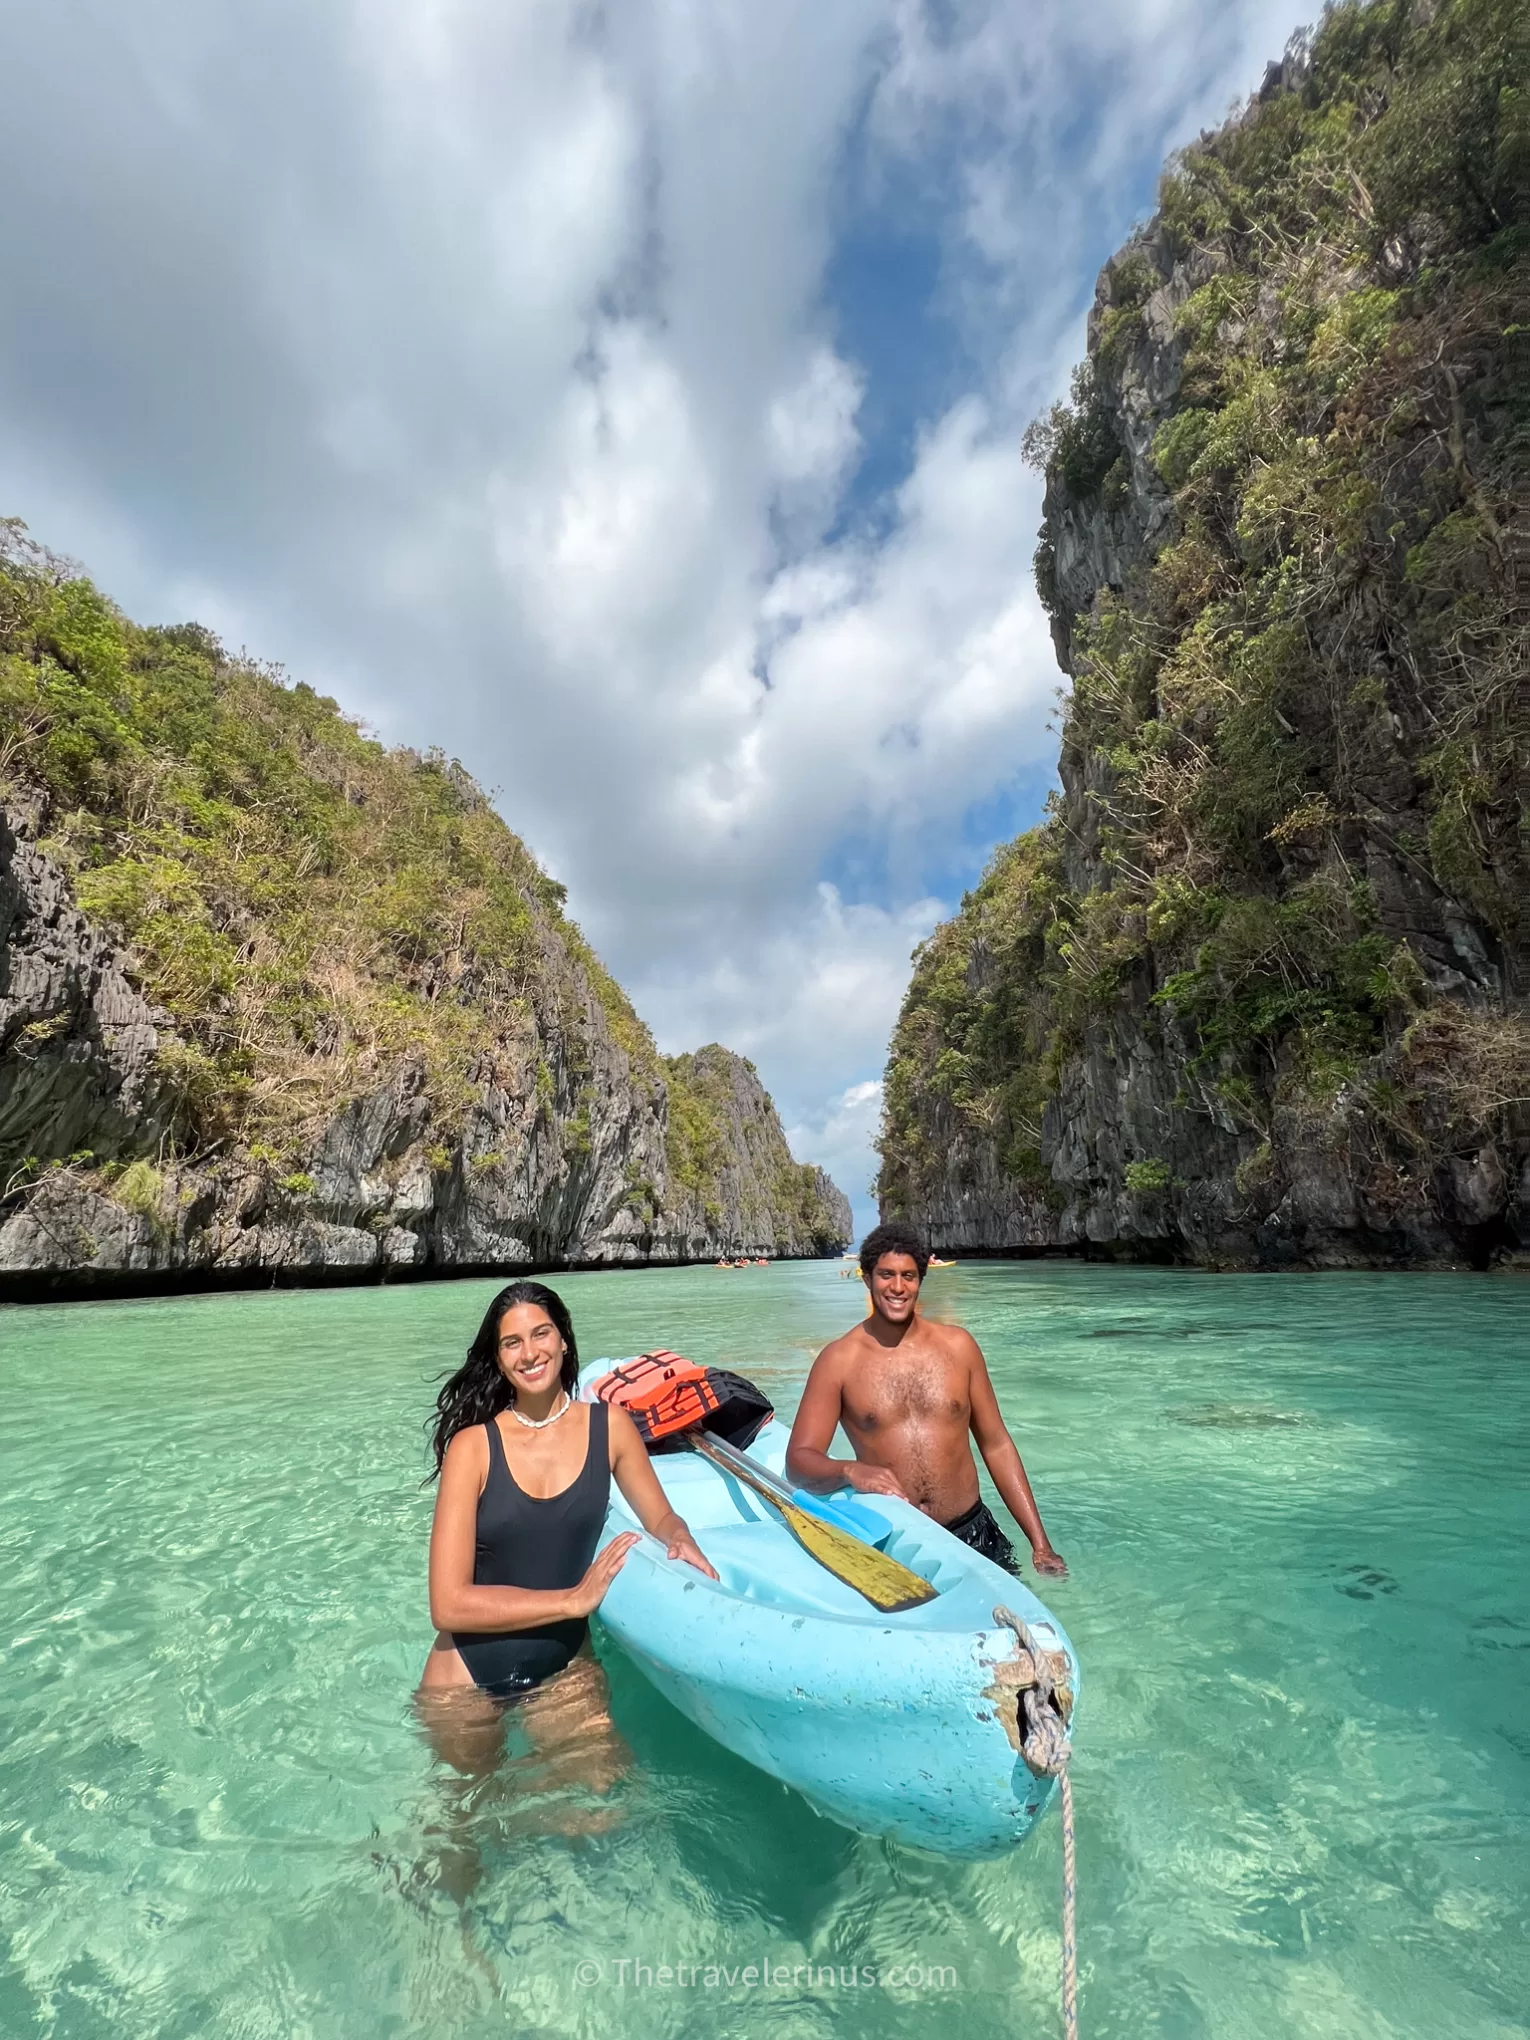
(1046, 1560)
(683, 1545)
(873, 1480)
(632, 1470)
(591, 1590)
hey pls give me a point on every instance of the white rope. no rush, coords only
(1046, 1750)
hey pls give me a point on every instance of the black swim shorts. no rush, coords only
(978, 1530)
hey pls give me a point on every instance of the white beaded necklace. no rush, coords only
(541, 1423)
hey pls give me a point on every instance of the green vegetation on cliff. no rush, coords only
(718, 1140)
(307, 906)
(1287, 557)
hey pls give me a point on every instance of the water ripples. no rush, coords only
(1296, 1533)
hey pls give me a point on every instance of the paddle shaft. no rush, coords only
(750, 1471)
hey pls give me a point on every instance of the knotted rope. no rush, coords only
(1046, 1750)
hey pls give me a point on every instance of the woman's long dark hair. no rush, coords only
(478, 1390)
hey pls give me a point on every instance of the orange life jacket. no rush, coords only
(661, 1393)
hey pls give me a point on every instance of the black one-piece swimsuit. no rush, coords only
(526, 1541)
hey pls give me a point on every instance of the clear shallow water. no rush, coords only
(1296, 1510)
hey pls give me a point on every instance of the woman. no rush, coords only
(525, 1475)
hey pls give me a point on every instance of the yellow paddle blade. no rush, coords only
(885, 1582)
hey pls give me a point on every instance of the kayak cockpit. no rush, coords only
(756, 1562)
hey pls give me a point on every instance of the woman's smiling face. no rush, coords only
(530, 1349)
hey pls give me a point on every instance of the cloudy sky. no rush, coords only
(626, 397)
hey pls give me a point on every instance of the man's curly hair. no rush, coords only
(893, 1238)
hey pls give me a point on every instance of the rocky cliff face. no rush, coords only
(326, 1025)
(1256, 992)
(731, 1160)
(565, 1156)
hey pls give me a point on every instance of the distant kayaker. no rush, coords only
(525, 1475)
(910, 1393)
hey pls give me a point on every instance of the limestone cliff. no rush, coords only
(729, 1153)
(276, 1003)
(1256, 991)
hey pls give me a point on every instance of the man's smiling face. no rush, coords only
(894, 1284)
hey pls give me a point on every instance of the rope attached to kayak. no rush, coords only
(1046, 1750)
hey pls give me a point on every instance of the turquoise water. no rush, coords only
(1296, 1512)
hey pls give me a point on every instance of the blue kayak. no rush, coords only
(902, 1724)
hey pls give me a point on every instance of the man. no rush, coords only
(908, 1392)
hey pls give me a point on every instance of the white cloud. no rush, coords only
(599, 544)
(811, 440)
(912, 674)
(474, 361)
(836, 974)
(840, 1136)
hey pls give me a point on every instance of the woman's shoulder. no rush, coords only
(467, 1449)
(620, 1428)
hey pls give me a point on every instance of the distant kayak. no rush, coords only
(902, 1724)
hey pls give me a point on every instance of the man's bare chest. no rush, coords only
(912, 1392)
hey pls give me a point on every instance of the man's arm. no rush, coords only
(1002, 1458)
(807, 1456)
